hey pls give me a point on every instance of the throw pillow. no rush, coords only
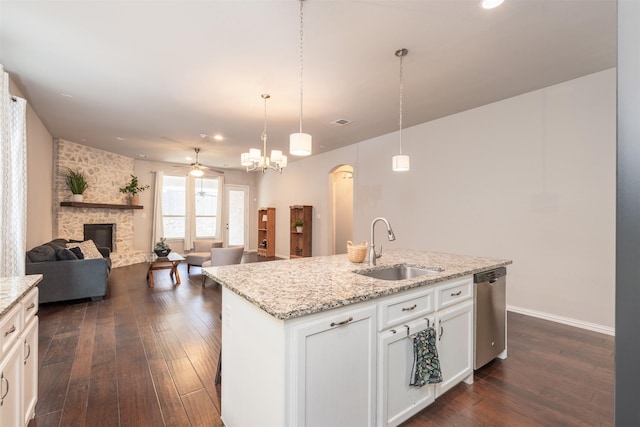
(64, 254)
(57, 243)
(77, 252)
(42, 253)
(88, 249)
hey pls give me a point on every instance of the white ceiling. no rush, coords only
(160, 73)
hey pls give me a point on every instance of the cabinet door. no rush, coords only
(397, 400)
(455, 344)
(30, 364)
(10, 388)
(336, 367)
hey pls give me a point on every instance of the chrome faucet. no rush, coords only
(373, 256)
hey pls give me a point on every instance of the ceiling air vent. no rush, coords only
(341, 122)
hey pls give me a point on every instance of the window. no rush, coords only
(173, 206)
(206, 196)
(177, 211)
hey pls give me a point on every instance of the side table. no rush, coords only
(170, 262)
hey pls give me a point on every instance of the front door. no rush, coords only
(237, 215)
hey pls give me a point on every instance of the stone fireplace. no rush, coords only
(106, 173)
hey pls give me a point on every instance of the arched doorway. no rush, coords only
(341, 190)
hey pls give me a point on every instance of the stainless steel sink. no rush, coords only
(400, 272)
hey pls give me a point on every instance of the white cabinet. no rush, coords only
(407, 314)
(397, 400)
(10, 390)
(455, 345)
(336, 369)
(19, 362)
(29, 340)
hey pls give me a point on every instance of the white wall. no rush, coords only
(39, 177)
(531, 178)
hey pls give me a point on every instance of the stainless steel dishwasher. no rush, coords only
(490, 301)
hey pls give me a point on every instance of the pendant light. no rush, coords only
(254, 160)
(401, 162)
(300, 143)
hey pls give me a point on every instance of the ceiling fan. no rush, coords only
(202, 192)
(197, 169)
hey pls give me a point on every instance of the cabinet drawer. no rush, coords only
(10, 328)
(30, 304)
(404, 308)
(454, 292)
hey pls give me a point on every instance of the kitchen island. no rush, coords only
(312, 342)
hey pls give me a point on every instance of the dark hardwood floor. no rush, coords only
(148, 357)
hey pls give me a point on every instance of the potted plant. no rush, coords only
(132, 189)
(76, 182)
(298, 223)
(162, 248)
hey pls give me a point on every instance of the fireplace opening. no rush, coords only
(101, 234)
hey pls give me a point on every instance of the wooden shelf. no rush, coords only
(267, 231)
(98, 205)
(300, 241)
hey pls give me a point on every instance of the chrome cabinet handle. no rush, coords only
(441, 330)
(457, 294)
(28, 347)
(11, 330)
(344, 322)
(4, 381)
(409, 308)
(32, 305)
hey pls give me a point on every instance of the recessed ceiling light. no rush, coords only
(188, 158)
(66, 95)
(218, 137)
(119, 138)
(203, 135)
(490, 4)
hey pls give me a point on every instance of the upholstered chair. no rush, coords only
(223, 256)
(201, 252)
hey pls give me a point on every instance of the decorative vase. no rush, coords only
(299, 229)
(162, 252)
(134, 200)
(76, 197)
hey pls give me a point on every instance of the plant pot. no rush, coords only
(299, 229)
(77, 197)
(162, 252)
(134, 200)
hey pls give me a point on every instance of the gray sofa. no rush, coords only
(68, 279)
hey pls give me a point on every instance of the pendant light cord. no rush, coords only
(264, 131)
(401, 91)
(301, 57)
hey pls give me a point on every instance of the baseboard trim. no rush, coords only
(564, 320)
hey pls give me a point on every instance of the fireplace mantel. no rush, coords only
(98, 205)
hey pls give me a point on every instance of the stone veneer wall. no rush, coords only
(106, 173)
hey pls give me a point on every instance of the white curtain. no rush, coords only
(157, 228)
(190, 220)
(13, 182)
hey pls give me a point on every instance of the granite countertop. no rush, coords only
(14, 288)
(292, 288)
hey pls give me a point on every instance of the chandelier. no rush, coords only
(401, 161)
(300, 143)
(254, 160)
